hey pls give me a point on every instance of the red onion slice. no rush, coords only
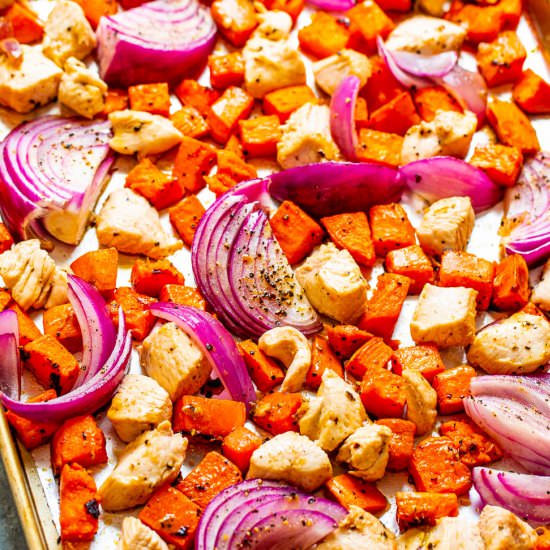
(10, 365)
(12, 48)
(342, 116)
(425, 65)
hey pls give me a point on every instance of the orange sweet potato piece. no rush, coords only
(296, 232)
(233, 105)
(349, 491)
(511, 283)
(421, 508)
(424, 358)
(193, 162)
(500, 162)
(152, 98)
(260, 135)
(402, 6)
(211, 476)
(391, 228)
(210, 417)
(322, 358)
(95, 9)
(276, 412)
(452, 386)
(5, 298)
(501, 61)
(173, 516)
(352, 233)
(345, 340)
(226, 70)
(361, 115)
(265, 373)
(235, 19)
(158, 188)
(385, 305)
(510, 12)
(543, 538)
(396, 116)
(79, 440)
(115, 100)
(26, 26)
(433, 98)
(239, 445)
(28, 331)
(324, 36)
(292, 7)
(382, 86)
(459, 268)
(149, 276)
(234, 146)
(78, 504)
(190, 122)
(51, 363)
(185, 217)
(193, 94)
(482, 23)
(373, 353)
(61, 323)
(31, 433)
(6, 240)
(383, 393)
(136, 311)
(436, 467)
(183, 295)
(379, 147)
(512, 126)
(232, 165)
(532, 93)
(401, 443)
(99, 268)
(412, 262)
(367, 21)
(285, 101)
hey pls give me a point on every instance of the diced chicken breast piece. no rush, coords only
(447, 225)
(421, 401)
(273, 25)
(291, 347)
(333, 283)
(142, 133)
(81, 89)
(330, 71)
(30, 83)
(32, 276)
(449, 133)
(171, 358)
(426, 35)
(129, 223)
(541, 292)
(151, 460)
(503, 530)
(445, 316)
(68, 33)
(292, 458)
(137, 536)
(366, 451)
(359, 530)
(517, 345)
(334, 414)
(271, 64)
(306, 137)
(140, 404)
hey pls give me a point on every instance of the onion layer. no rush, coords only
(10, 366)
(342, 116)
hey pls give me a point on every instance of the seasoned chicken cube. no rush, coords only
(30, 83)
(306, 137)
(421, 401)
(445, 316)
(447, 534)
(502, 530)
(140, 404)
(292, 458)
(426, 35)
(447, 225)
(366, 451)
(449, 133)
(329, 72)
(541, 292)
(271, 64)
(151, 460)
(130, 224)
(334, 414)
(67, 33)
(359, 530)
(273, 25)
(517, 345)
(81, 89)
(137, 536)
(171, 358)
(32, 276)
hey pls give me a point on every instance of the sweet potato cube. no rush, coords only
(500, 162)
(185, 217)
(396, 116)
(324, 36)
(136, 311)
(285, 101)
(28, 331)
(193, 94)
(391, 228)
(115, 100)
(99, 268)
(402, 6)
(24, 22)
(5, 298)
(345, 340)
(361, 115)
(512, 126)
(373, 353)
(233, 105)
(349, 491)
(183, 295)
(452, 386)
(61, 323)
(235, 19)
(276, 412)
(379, 147)
(79, 440)
(322, 358)
(190, 122)
(173, 516)
(401, 443)
(51, 363)
(431, 99)
(152, 98)
(292, 7)
(97, 9)
(511, 283)
(501, 61)
(424, 358)
(193, 162)
(415, 509)
(382, 86)
(459, 268)
(232, 165)
(226, 70)
(260, 135)
(412, 262)
(383, 393)
(265, 373)
(296, 232)
(239, 445)
(6, 240)
(482, 23)
(532, 93)
(367, 22)
(149, 276)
